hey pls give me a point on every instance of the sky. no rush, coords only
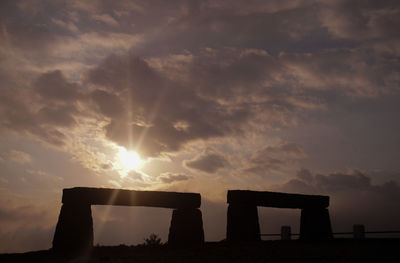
(298, 96)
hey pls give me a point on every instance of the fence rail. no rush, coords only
(358, 233)
(368, 232)
(339, 233)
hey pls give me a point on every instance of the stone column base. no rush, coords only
(186, 227)
(74, 230)
(242, 223)
(315, 224)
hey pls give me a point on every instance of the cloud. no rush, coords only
(276, 159)
(59, 116)
(354, 199)
(354, 181)
(135, 175)
(54, 86)
(65, 24)
(18, 157)
(360, 20)
(30, 7)
(157, 107)
(345, 71)
(233, 91)
(109, 104)
(40, 177)
(160, 102)
(209, 161)
(20, 33)
(43, 111)
(170, 103)
(172, 177)
(305, 175)
(339, 181)
(105, 18)
(234, 23)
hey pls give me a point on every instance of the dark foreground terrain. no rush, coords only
(339, 250)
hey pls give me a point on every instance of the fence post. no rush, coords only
(285, 233)
(358, 231)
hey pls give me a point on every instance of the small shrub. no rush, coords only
(153, 240)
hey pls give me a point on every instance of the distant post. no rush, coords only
(286, 233)
(358, 231)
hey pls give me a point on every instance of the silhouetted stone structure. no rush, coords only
(74, 230)
(242, 221)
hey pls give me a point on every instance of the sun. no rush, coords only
(128, 161)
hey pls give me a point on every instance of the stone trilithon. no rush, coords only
(74, 230)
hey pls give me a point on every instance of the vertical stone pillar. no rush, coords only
(186, 227)
(74, 230)
(242, 223)
(315, 224)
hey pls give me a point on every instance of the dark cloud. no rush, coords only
(360, 20)
(61, 116)
(360, 72)
(305, 175)
(275, 159)
(54, 87)
(333, 183)
(339, 182)
(159, 104)
(274, 26)
(239, 71)
(354, 199)
(209, 161)
(161, 114)
(226, 24)
(172, 177)
(19, 118)
(41, 111)
(108, 103)
(25, 27)
(218, 94)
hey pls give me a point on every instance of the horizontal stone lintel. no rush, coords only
(106, 196)
(276, 199)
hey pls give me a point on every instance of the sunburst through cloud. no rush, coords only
(127, 161)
